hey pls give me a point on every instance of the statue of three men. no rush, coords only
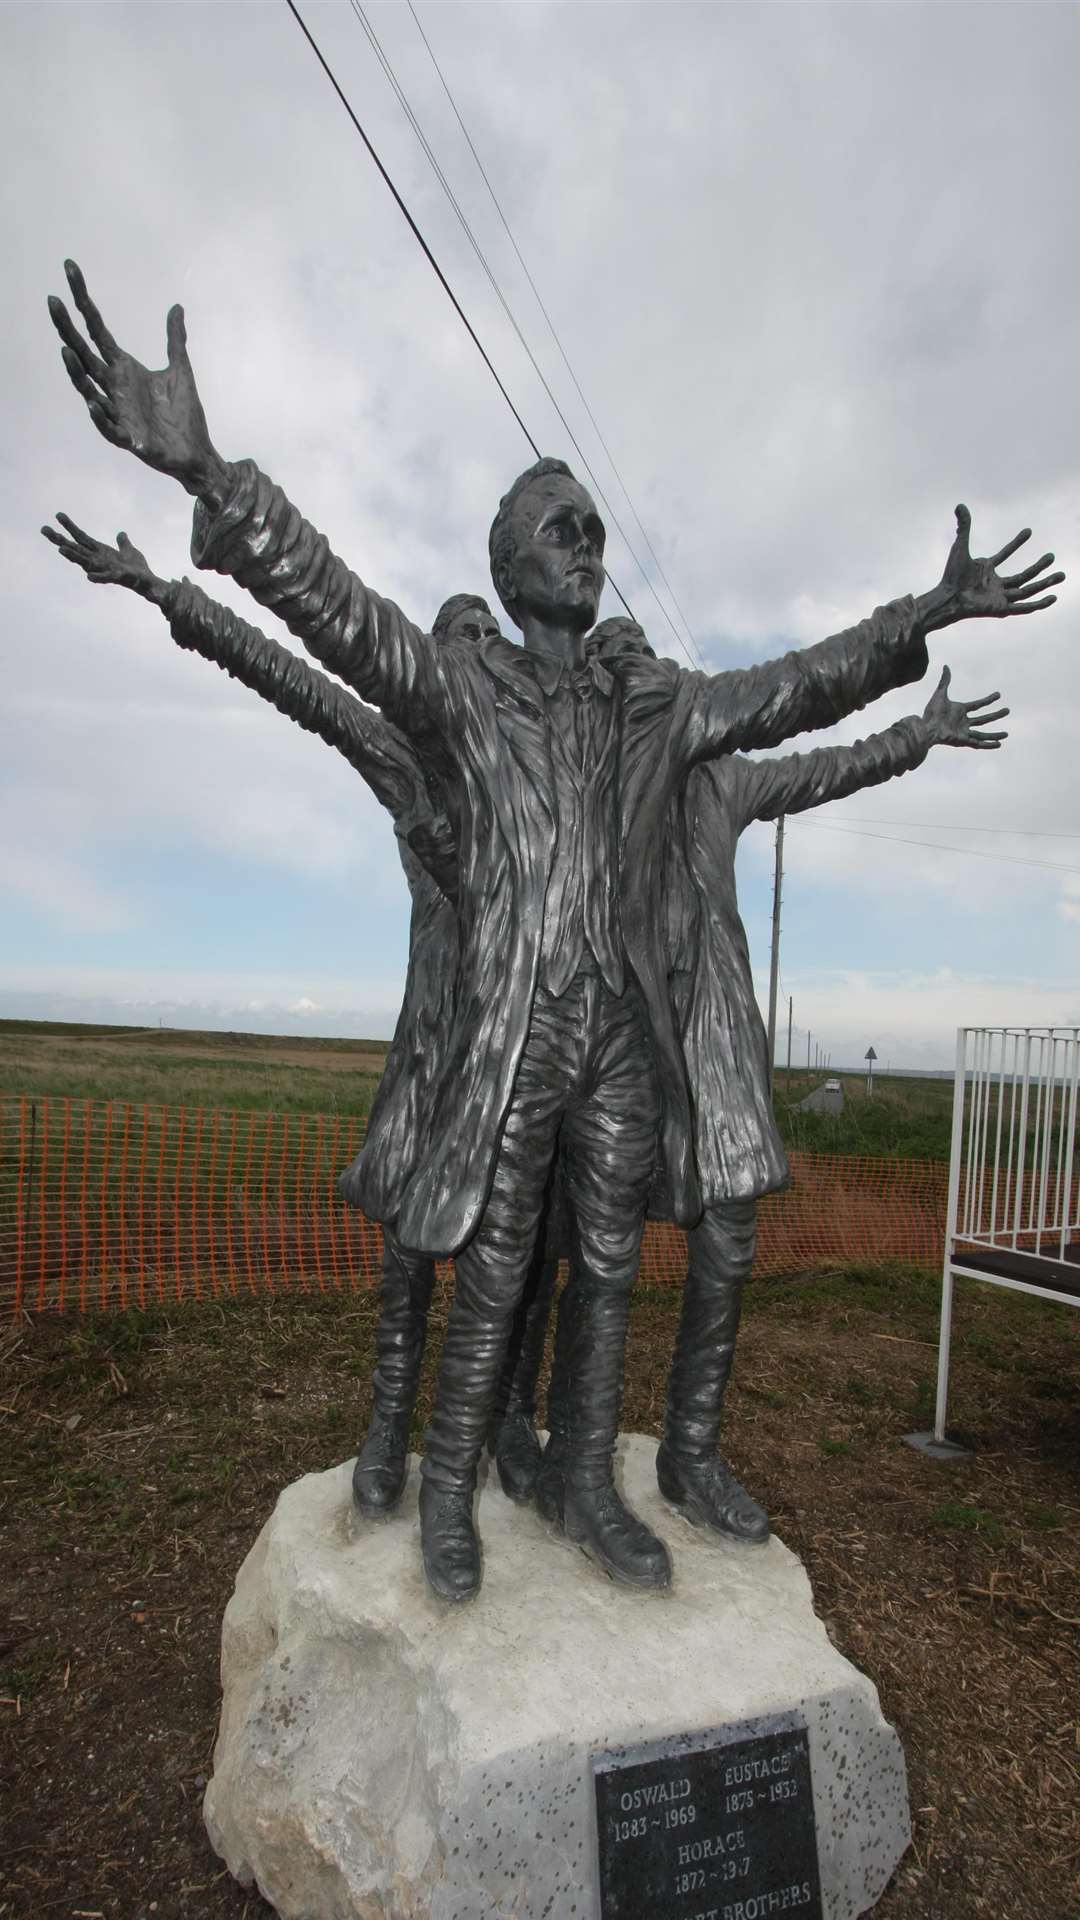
(579, 1012)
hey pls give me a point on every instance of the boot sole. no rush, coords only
(452, 1595)
(698, 1516)
(552, 1518)
(645, 1583)
(379, 1509)
(520, 1497)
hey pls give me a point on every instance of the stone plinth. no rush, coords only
(384, 1754)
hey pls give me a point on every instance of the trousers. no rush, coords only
(408, 1280)
(586, 1090)
(721, 1254)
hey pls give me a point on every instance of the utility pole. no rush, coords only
(774, 961)
(808, 1053)
(790, 1004)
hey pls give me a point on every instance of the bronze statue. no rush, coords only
(738, 1150)
(559, 771)
(429, 859)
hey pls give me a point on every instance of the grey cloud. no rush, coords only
(811, 263)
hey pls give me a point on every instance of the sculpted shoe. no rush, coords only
(707, 1494)
(448, 1537)
(382, 1465)
(550, 1490)
(597, 1521)
(517, 1457)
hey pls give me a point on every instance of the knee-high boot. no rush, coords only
(594, 1515)
(690, 1473)
(513, 1440)
(407, 1282)
(473, 1352)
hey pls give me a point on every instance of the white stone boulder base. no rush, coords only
(383, 1753)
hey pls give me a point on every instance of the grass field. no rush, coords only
(172, 1067)
(909, 1118)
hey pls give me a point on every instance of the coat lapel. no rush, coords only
(521, 717)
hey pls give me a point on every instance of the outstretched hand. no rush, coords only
(119, 566)
(157, 416)
(954, 723)
(972, 589)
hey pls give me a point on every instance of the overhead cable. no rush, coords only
(552, 328)
(406, 107)
(425, 249)
(418, 236)
(938, 846)
(960, 826)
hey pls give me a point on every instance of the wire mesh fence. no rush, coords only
(112, 1204)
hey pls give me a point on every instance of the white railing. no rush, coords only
(1013, 1174)
(1014, 1192)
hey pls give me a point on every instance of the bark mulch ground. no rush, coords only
(141, 1455)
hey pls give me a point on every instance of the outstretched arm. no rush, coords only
(818, 685)
(799, 781)
(244, 526)
(299, 691)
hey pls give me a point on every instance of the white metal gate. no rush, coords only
(1014, 1196)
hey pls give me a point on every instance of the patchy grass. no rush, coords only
(142, 1453)
(963, 1516)
(905, 1119)
(169, 1067)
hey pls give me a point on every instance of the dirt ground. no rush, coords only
(141, 1455)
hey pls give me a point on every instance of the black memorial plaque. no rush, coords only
(725, 1832)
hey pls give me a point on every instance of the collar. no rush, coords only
(503, 656)
(549, 672)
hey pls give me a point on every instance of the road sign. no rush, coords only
(869, 1054)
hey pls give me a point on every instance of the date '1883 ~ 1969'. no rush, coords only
(725, 1832)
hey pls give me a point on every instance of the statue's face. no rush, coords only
(558, 561)
(625, 637)
(473, 623)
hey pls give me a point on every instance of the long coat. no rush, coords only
(392, 769)
(481, 711)
(738, 1149)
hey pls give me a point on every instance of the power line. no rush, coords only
(403, 101)
(939, 846)
(418, 236)
(553, 330)
(426, 250)
(961, 826)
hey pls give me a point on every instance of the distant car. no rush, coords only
(833, 1086)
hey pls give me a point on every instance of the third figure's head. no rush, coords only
(465, 616)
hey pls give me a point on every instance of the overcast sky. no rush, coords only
(816, 270)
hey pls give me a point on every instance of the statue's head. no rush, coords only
(621, 636)
(465, 616)
(547, 548)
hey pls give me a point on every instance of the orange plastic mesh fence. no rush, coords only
(106, 1204)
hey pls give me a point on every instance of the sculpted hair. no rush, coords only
(610, 632)
(450, 609)
(501, 539)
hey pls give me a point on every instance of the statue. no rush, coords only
(737, 1147)
(559, 771)
(428, 854)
